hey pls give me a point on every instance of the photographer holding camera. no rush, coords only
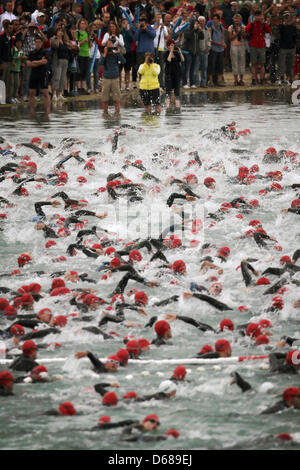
(114, 36)
(110, 60)
(149, 84)
(144, 39)
(173, 60)
(237, 37)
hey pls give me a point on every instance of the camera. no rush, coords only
(113, 39)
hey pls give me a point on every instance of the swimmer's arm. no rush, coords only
(99, 366)
(159, 255)
(240, 382)
(213, 302)
(174, 196)
(191, 321)
(168, 301)
(101, 388)
(296, 256)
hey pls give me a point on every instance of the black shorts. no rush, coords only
(38, 81)
(150, 97)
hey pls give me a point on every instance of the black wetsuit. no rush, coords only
(23, 363)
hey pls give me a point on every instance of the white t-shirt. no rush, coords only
(92, 50)
(6, 16)
(161, 34)
(119, 40)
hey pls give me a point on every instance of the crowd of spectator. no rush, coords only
(65, 48)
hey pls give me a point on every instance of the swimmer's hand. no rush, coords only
(170, 317)
(55, 203)
(130, 323)
(188, 295)
(114, 384)
(297, 304)
(152, 284)
(141, 311)
(284, 211)
(190, 198)
(101, 216)
(281, 344)
(80, 354)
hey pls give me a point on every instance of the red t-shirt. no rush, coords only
(257, 32)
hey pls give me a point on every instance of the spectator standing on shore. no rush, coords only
(7, 15)
(83, 56)
(237, 50)
(6, 54)
(287, 49)
(37, 61)
(257, 43)
(149, 84)
(111, 59)
(216, 55)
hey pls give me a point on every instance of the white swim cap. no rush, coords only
(167, 386)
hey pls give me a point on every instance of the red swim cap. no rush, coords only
(23, 259)
(115, 263)
(295, 203)
(206, 349)
(129, 395)
(179, 373)
(133, 347)
(209, 182)
(227, 324)
(254, 203)
(6, 377)
(59, 291)
(109, 399)
(290, 392)
(151, 417)
(225, 206)
(293, 357)
(58, 282)
(262, 339)
(28, 346)
(271, 151)
(81, 179)
(24, 300)
(278, 302)
(17, 330)
(253, 330)
(264, 323)
(254, 222)
(66, 408)
(141, 298)
(161, 327)
(254, 169)
(117, 298)
(135, 255)
(3, 303)
(143, 343)
(179, 266)
(224, 251)
(38, 370)
(36, 140)
(10, 311)
(60, 320)
(104, 419)
(222, 345)
(123, 356)
(172, 432)
(285, 259)
(284, 436)
(262, 281)
(110, 250)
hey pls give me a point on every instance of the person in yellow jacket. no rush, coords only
(149, 84)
